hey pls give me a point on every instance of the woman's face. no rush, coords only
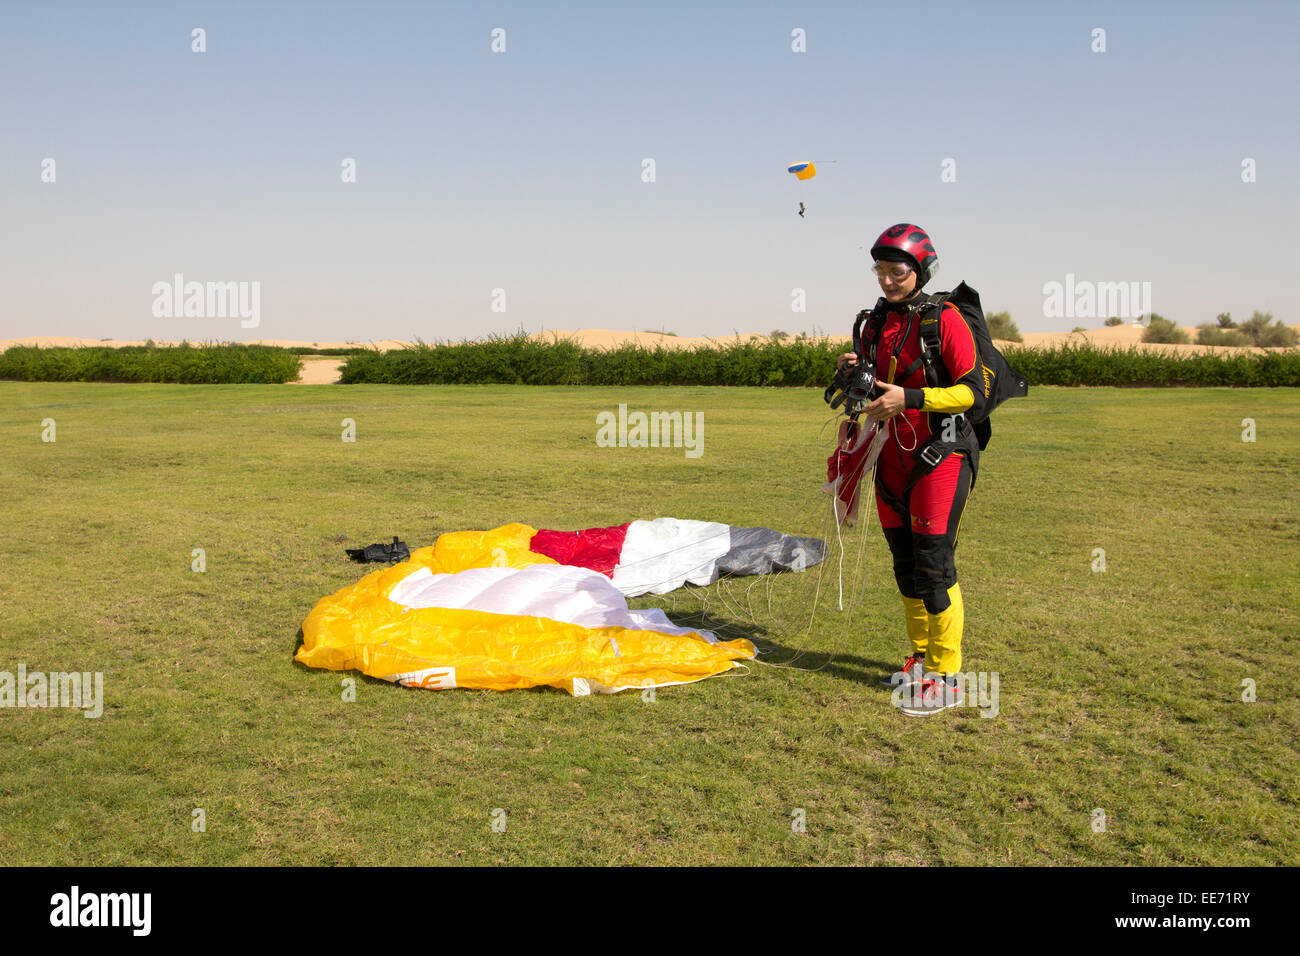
(896, 290)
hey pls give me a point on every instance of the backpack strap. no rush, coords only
(866, 331)
(863, 316)
(928, 457)
(933, 452)
(936, 373)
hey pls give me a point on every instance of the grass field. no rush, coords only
(1120, 690)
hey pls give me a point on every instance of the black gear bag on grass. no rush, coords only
(391, 553)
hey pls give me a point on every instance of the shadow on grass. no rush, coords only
(860, 670)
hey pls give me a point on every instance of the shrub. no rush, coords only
(1161, 330)
(1001, 327)
(1208, 334)
(1265, 333)
(184, 363)
(1084, 363)
(1114, 320)
(801, 362)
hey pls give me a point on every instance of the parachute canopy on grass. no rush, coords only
(517, 607)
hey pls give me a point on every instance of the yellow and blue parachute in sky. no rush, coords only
(802, 171)
(518, 607)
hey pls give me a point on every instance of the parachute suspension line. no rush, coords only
(812, 611)
(864, 523)
(835, 506)
(862, 435)
(839, 538)
(705, 595)
(815, 603)
(742, 608)
(739, 670)
(857, 593)
(790, 604)
(894, 429)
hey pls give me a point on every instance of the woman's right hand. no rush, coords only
(845, 360)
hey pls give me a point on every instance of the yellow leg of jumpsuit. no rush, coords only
(918, 625)
(944, 651)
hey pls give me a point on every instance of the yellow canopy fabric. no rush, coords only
(480, 610)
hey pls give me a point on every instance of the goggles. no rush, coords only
(898, 271)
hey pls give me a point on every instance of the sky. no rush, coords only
(504, 190)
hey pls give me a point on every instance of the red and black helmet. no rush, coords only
(906, 242)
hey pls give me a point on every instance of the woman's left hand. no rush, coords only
(891, 403)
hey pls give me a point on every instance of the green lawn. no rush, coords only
(1119, 691)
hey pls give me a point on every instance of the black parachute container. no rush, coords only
(1000, 380)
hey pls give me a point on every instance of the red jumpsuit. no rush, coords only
(923, 540)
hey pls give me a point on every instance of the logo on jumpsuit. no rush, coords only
(919, 522)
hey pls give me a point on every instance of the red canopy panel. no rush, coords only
(594, 548)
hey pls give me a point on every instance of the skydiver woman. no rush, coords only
(927, 467)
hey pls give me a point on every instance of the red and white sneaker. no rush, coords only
(931, 697)
(912, 673)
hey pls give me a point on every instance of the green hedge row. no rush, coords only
(520, 360)
(803, 362)
(1086, 364)
(186, 364)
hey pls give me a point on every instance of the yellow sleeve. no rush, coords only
(954, 398)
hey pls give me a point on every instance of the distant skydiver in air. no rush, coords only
(802, 171)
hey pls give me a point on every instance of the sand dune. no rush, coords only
(1119, 336)
(319, 370)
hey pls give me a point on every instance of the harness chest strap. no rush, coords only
(936, 395)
